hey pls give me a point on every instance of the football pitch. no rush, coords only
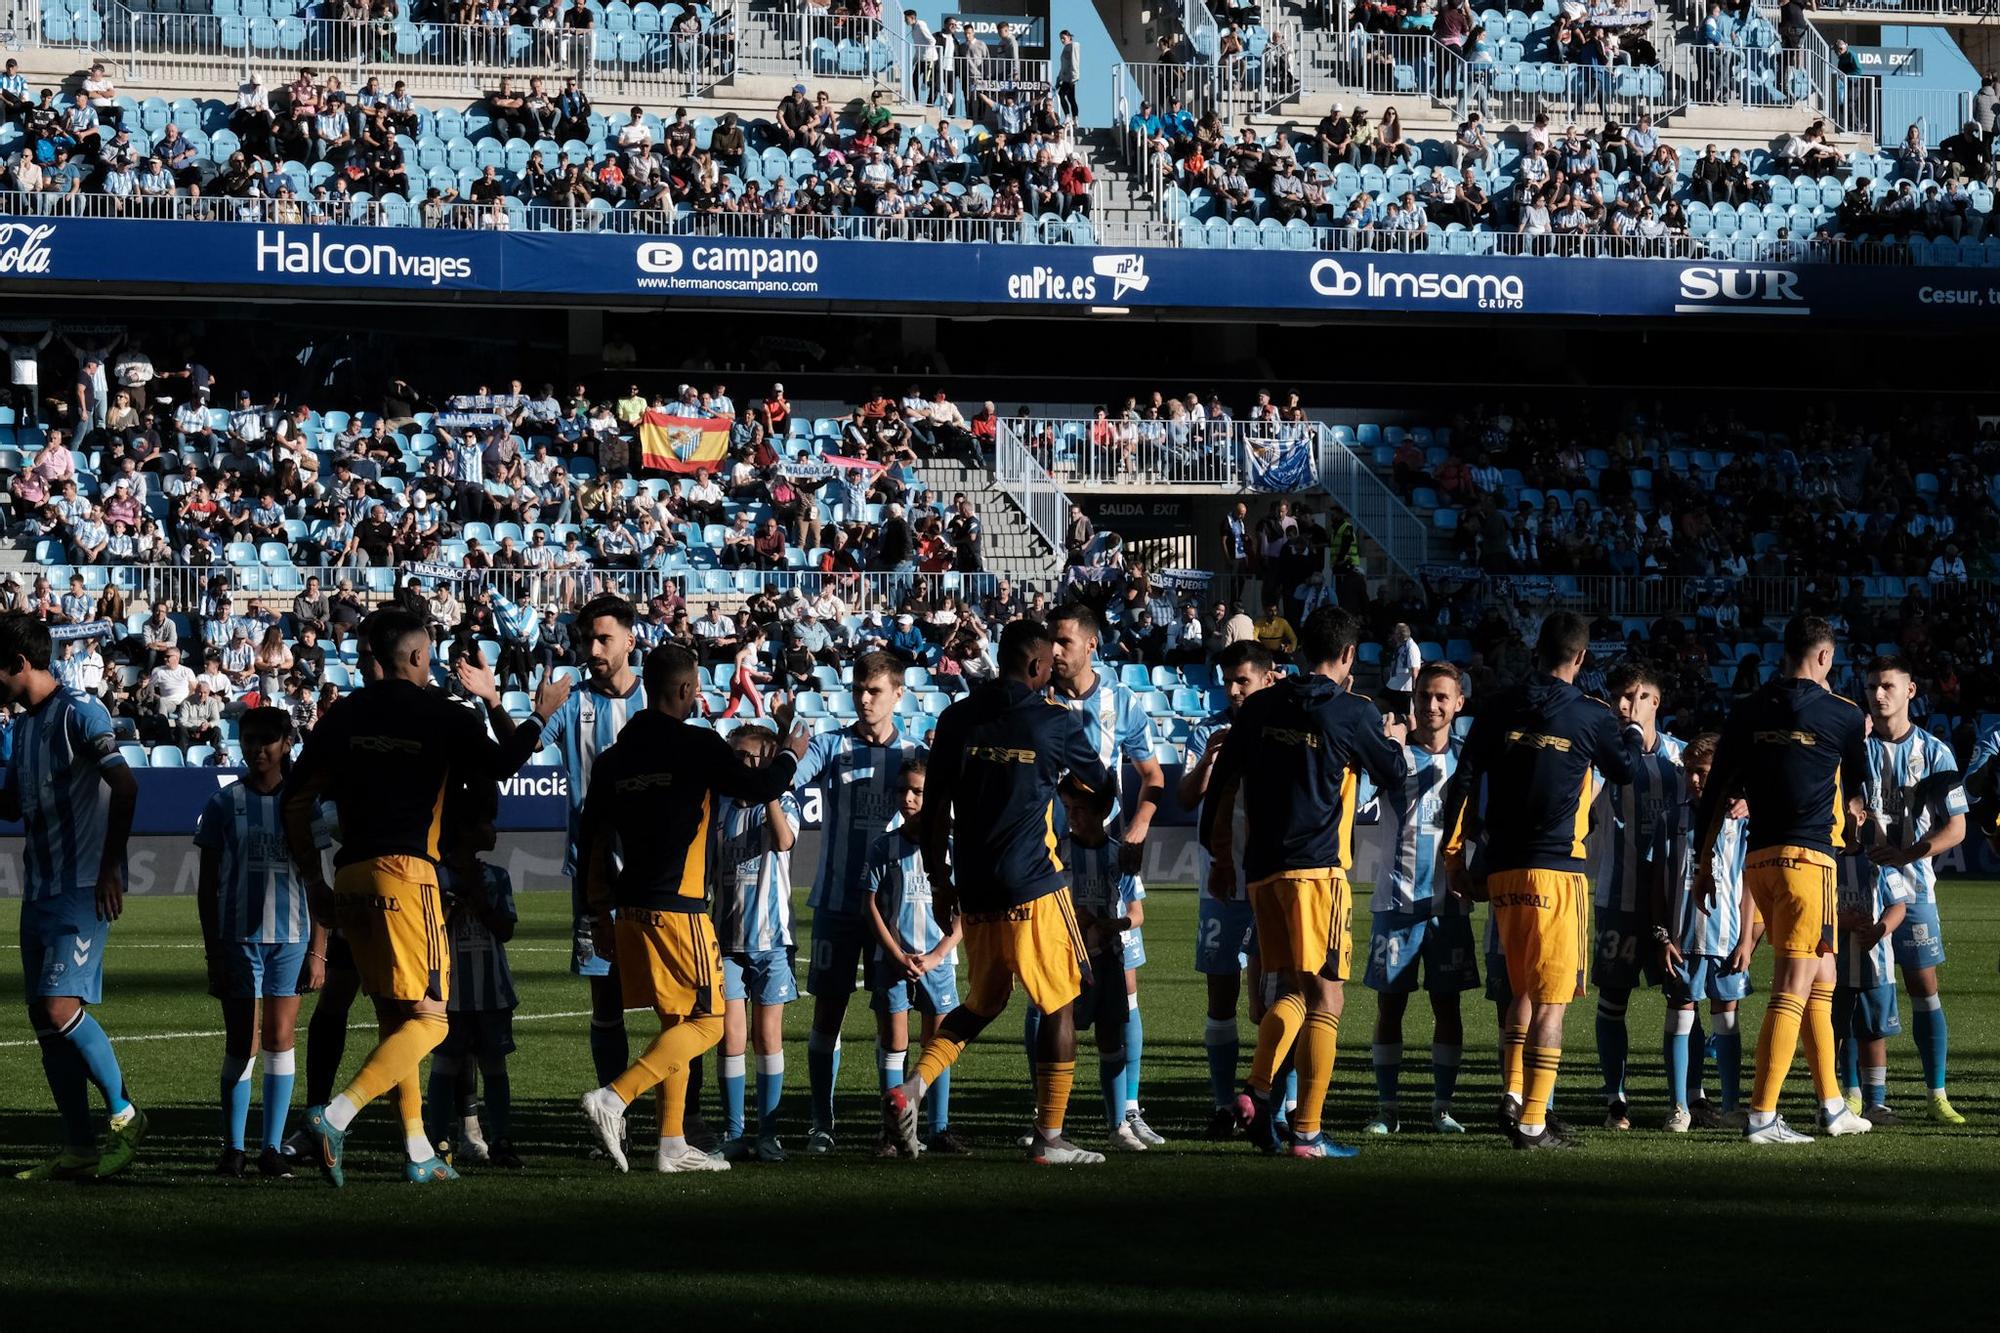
(1634, 1230)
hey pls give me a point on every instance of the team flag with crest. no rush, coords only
(682, 445)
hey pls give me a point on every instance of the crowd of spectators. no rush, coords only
(1828, 493)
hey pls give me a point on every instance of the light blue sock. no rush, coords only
(822, 1071)
(1874, 1085)
(889, 1068)
(1135, 1049)
(1111, 1078)
(1725, 1044)
(1444, 1072)
(100, 1066)
(1850, 1060)
(1613, 1045)
(1219, 1040)
(1928, 1027)
(1679, 1038)
(938, 1100)
(610, 1055)
(441, 1116)
(770, 1091)
(1388, 1061)
(235, 1101)
(497, 1118)
(69, 1085)
(733, 1079)
(279, 1070)
(1283, 1110)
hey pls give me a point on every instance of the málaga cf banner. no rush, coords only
(682, 445)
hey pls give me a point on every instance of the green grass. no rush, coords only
(1635, 1230)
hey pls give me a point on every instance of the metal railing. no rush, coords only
(1020, 476)
(1234, 90)
(1763, 76)
(1369, 500)
(1642, 595)
(226, 49)
(1111, 452)
(313, 207)
(1852, 103)
(832, 46)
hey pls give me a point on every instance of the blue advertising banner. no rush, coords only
(329, 262)
(172, 799)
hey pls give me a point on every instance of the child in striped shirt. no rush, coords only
(479, 920)
(752, 875)
(260, 942)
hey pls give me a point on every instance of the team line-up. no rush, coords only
(1808, 823)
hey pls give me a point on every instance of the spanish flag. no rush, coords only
(682, 445)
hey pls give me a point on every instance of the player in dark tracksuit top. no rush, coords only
(1535, 750)
(990, 843)
(1798, 754)
(1289, 775)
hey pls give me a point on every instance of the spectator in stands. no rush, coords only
(1275, 633)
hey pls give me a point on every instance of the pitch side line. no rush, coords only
(351, 1027)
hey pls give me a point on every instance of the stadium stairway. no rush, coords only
(1011, 547)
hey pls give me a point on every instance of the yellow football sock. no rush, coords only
(1818, 1033)
(410, 1105)
(1316, 1051)
(1513, 1048)
(940, 1053)
(1777, 1042)
(1275, 1035)
(1053, 1079)
(395, 1058)
(1542, 1064)
(679, 1042)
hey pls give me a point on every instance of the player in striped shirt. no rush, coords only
(1415, 921)
(259, 939)
(1118, 727)
(479, 1036)
(752, 874)
(858, 770)
(1704, 952)
(74, 796)
(914, 964)
(581, 725)
(1917, 804)
(1108, 908)
(1625, 956)
(1871, 905)
(1225, 945)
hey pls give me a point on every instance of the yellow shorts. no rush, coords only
(1302, 922)
(668, 962)
(1794, 889)
(389, 914)
(1543, 919)
(1039, 942)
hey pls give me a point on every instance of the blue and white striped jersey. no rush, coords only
(1865, 890)
(1116, 726)
(1913, 786)
(1098, 887)
(1717, 931)
(857, 782)
(1984, 750)
(753, 884)
(481, 981)
(1406, 882)
(1628, 829)
(584, 727)
(896, 879)
(259, 899)
(61, 750)
(1197, 746)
